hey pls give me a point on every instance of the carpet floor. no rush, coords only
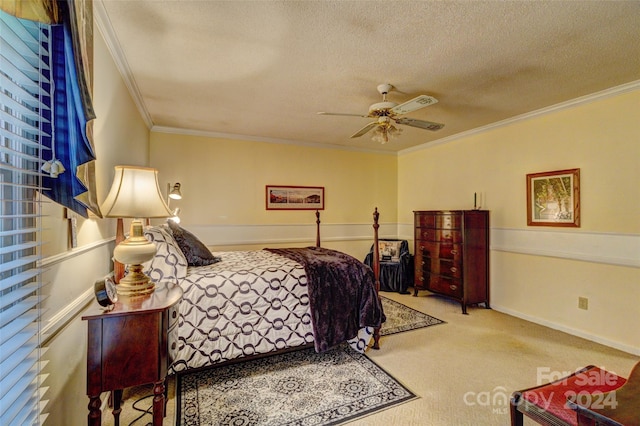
(452, 368)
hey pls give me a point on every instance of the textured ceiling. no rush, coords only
(263, 69)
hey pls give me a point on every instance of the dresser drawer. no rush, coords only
(438, 235)
(425, 220)
(440, 250)
(449, 221)
(441, 267)
(421, 280)
(445, 285)
(439, 220)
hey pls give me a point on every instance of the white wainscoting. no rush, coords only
(69, 279)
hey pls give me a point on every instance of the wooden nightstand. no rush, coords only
(131, 345)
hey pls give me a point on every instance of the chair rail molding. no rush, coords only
(598, 247)
(608, 248)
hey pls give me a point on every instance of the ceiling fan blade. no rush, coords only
(339, 113)
(365, 129)
(414, 104)
(421, 124)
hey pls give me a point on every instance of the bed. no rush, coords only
(244, 304)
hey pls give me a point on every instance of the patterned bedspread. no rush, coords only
(251, 302)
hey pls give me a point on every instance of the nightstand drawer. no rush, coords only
(172, 342)
(172, 334)
(174, 314)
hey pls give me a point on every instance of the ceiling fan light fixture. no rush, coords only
(386, 112)
(384, 132)
(380, 137)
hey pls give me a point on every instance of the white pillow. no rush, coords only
(169, 263)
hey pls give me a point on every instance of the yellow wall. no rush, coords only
(599, 137)
(223, 186)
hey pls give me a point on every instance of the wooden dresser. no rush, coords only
(452, 254)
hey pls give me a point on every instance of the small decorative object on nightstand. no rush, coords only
(452, 254)
(132, 344)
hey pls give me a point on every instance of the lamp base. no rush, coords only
(135, 283)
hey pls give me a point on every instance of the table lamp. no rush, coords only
(134, 194)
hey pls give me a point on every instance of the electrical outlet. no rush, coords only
(583, 303)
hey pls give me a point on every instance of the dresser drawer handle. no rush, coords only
(454, 269)
(422, 279)
(423, 263)
(453, 286)
(173, 345)
(174, 314)
(454, 251)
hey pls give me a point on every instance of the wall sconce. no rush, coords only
(173, 193)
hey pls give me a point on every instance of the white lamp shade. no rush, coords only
(135, 193)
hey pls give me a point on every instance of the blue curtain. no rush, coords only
(70, 144)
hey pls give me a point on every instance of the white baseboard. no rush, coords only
(598, 339)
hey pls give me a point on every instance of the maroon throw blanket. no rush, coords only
(342, 294)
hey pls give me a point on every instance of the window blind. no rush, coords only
(24, 125)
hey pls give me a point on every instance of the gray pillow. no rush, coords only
(194, 250)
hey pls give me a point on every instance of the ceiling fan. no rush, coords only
(385, 112)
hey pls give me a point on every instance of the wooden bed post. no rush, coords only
(317, 228)
(376, 271)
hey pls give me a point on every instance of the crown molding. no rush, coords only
(233, 136)
(103, 23)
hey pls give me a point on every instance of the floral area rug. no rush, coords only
(402, 318)
(297, 388)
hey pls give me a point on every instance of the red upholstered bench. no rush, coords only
(547, 404)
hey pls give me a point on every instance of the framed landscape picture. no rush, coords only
(294, 197)
(553, 198)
